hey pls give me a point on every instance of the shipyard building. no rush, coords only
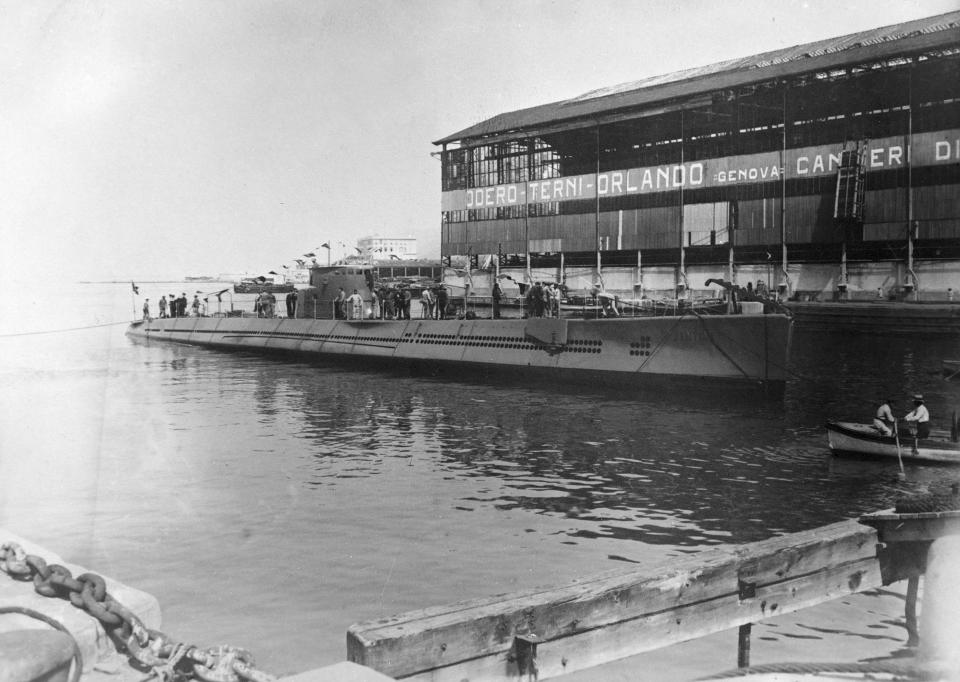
(825, 170)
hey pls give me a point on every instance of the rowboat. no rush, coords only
(864, 439)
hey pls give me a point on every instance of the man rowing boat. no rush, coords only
(884, 421)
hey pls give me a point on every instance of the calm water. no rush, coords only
(270, 504)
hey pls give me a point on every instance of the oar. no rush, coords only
(896, 434)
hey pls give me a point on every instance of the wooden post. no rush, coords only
(525, 655)
(941, 597)
(910, 610)
(743, 645)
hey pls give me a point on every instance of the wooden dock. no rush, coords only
(539, 634)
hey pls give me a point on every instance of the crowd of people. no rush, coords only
(265, 304)
(542, 299)
(176, 306)
(391, 303)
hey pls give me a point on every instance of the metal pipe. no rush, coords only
(785, 281)
(911, 224)
(596, 229)
(682, 275)
(526, 231)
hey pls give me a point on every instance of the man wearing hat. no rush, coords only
(921, 416)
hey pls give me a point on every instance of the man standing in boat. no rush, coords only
(921, 417)
(338, 304)
(884, 419)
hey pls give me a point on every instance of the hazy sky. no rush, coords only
(147, 139)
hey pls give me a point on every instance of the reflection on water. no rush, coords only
(269, 503)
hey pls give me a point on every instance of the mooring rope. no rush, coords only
(77, 670)
(717, 345)
(663, 340)
(64, 330)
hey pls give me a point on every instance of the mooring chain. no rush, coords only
(151, 650)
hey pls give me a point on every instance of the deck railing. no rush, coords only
(538, 634)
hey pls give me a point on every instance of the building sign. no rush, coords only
(892, 152)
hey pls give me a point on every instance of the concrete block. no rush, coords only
(35, 656)
(87, 630)
(344, 671)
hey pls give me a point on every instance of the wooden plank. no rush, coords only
(699, 593)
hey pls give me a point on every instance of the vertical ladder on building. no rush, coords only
(851, 177)
(848, 204)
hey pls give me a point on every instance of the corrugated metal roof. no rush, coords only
(925, 33)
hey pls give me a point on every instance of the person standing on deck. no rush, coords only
(292, 304)
(426, 304)
(338, 304)
(884, 419)
(442, 302)
(355, 305)
(146, 309)
(536, 296)
(195, 306)
(547, 296)
(496, 294)
(390, 304)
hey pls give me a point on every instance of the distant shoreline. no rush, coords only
(152, 281)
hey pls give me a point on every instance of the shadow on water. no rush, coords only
(683, 467)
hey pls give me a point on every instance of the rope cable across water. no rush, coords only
(64, 330)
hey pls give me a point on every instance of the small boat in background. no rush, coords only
(864, 439)
(261, 285)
